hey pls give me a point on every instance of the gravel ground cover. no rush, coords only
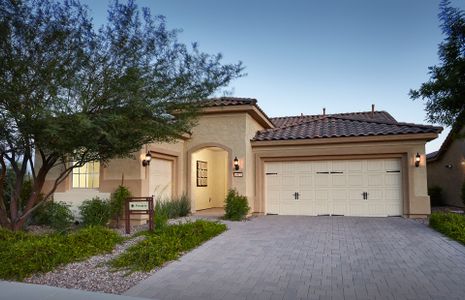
(94, 274)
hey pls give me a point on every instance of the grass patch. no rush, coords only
(449, 224)
(23, 254)
(166, 245)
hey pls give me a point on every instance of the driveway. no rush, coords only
(281, 257)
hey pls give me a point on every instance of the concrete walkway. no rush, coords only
(24, 291)
(279, 257)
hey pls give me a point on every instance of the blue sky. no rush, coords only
(301, 56)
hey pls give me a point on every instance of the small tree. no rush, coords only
(117, 201)
(71, 94)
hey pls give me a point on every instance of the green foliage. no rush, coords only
(450, 224)
(237, 206)
(57, 215)
(435, 195)
(171, 209)
(71, 92)
(117, 202)
(166, 245)
(95, 212)
(22, 254)
(445, 91)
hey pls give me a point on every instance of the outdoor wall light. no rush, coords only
(147, 159)
(417, 160)
(236, 163)
(448, 166)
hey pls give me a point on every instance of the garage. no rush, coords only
(369, 187)
(161, 178)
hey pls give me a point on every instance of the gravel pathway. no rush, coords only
(93, 274)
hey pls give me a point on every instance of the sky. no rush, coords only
(303, 56)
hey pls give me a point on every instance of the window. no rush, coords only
(87, 176)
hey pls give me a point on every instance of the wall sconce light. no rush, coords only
(448, 166)
(417, 160)
(236, 163)
(147, 159)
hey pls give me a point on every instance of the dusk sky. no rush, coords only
(301, 56)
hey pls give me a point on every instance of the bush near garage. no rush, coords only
(449, 224)
(237, 206)
(435, 195)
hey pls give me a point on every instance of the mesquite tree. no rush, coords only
(71, 93)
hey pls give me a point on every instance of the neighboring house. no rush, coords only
(353, 164)
(446, 167)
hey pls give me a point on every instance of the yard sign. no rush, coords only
(139, 206)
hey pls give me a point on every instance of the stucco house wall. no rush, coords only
(448, 172)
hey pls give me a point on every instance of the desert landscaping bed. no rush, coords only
(116, 271)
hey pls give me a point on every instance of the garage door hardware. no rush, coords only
(322, 172)
(393, 171)
(296, 195)
(332, 172)
(271, 173)
(365, 195)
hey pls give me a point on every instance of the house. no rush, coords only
(446, 167)
(352, 164)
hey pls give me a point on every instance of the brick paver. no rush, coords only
(285, 257)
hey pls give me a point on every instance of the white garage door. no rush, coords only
(161, 175)
(339, 187)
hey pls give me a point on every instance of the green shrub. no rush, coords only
(117, 202)
(237, 206)
(170, 209)
(95, 212)
(435, 195)
(57, 215)
(22, 254)
(166, 245)
(160, 215)
(450, 224)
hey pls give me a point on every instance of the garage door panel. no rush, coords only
(322, 191)
(375, 179)
(338, 180)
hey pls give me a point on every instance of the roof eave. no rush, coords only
(252, 110)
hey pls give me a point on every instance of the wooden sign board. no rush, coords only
(139, 206)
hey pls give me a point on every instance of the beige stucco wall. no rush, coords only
(450, 180)
(416, 200)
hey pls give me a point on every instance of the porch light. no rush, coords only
(417, 160)
(236, 163)
(147, 159)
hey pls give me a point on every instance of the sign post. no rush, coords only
(139, 206)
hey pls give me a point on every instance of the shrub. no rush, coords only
(237, 206)
(166, 245)
(170, 209)
(95, 212)
(435, 195)
(450, 224)
(57, 215)
(22, 254)
(117, 201)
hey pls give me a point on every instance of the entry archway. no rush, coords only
(209, 176)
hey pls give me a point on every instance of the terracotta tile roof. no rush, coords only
(228, 101)
(364, 115)
(340, 125)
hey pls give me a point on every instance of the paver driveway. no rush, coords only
(280, 257)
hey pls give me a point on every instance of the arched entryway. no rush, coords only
(209, 177)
